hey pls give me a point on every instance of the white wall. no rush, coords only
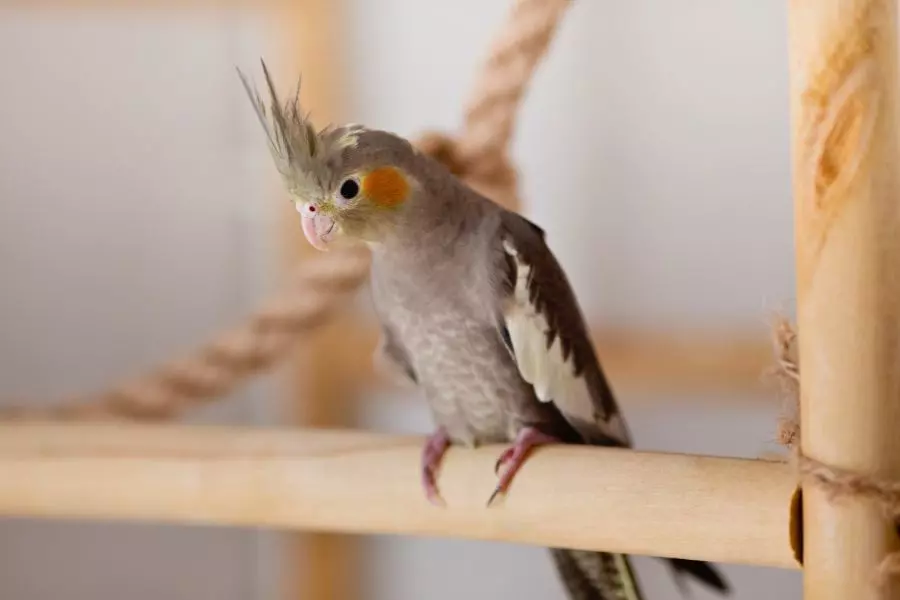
(653, 144)
(133, 223)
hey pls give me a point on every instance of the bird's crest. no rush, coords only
(310, 161)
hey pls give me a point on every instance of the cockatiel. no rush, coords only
(474, 309)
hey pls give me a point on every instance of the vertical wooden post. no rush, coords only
(847, 207)
(321, 392)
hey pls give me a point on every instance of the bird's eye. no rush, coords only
(349, 189)
(307, 209)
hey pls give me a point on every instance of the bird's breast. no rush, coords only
(442, 315)
(467, 377)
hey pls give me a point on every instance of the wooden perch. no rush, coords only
(719, 509)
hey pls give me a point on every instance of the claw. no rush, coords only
(504, 458)
(516, 454)
(432, 453)
(431, 491)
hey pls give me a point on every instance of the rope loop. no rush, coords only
(490, 171)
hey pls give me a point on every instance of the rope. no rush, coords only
(480, 154)
(837, 482)
(327, 280)
(490, 115)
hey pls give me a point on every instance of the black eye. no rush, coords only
(349, 189)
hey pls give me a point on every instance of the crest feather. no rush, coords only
(310, 161)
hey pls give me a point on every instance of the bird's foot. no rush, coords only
(515, 455)
(432, 453)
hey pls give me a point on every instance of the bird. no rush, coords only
(474, 310)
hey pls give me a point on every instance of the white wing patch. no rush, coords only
(552, 377)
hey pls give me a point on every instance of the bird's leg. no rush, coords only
(515, 455)
(435, 446)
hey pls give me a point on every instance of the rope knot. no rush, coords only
(492, 168)
(490, 173)
(443, 148)
(835, 481)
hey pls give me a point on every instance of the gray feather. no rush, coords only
(310, 161)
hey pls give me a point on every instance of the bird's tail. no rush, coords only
(605, 576)
(596, 575)
(702, 571)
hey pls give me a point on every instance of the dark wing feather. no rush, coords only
(542, 324)
(392, 359)
(596, 575)
(701, 571)
(543, 327)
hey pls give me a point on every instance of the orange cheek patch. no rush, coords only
(385, 187)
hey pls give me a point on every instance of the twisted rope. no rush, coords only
(491, 112)
(480, 154)
(326, 281)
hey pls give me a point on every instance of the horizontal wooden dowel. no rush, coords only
(719, 509)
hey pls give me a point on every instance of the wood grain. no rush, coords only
(719, 509)
(844, 116)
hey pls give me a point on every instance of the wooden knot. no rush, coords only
(841, 109)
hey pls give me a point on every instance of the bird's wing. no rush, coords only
(543, 327)
(545, 331)
(392, 360)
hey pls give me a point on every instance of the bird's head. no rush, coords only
(345, 180)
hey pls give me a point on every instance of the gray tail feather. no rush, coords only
(702, 571)
(604, 576)
(596, 575)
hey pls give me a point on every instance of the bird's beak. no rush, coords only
(319, 230)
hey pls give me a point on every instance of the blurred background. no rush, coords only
(140, 213)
